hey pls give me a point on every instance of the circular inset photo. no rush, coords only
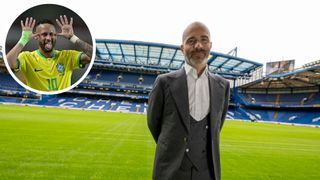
(49, 49)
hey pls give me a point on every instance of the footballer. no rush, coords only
(48, 69)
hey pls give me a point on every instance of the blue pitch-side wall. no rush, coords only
(85, 103)
(102, 104)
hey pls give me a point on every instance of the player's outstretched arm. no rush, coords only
(26, 36)
(67, 32)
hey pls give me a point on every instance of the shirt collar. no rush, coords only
(191, 71)
(43, 56)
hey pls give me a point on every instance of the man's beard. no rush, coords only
(195, 59)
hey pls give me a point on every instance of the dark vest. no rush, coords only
(198, 152)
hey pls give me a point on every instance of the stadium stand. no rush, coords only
(285, 100)
(124, 72)
(6, 83)
(290, 97)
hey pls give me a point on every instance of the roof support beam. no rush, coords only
(122, 54)
(173, 57)
(110, 55)
(160, 56)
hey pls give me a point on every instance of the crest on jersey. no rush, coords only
(60, 68)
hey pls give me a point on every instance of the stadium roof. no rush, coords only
(309, 77)
(168, 57)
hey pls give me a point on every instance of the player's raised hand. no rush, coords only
(66, 26)
(28, 25)
(27, 28)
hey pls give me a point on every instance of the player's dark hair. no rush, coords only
(44, 21)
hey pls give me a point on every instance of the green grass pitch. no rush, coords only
(51, 143)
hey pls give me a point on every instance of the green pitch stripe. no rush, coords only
(50, 143)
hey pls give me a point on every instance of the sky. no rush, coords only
(262, 30)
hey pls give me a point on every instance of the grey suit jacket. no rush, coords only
(169, 120)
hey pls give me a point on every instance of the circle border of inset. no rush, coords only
(58, 91)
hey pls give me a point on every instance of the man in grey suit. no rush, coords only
(186, 112)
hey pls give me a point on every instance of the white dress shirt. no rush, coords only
(198, 92)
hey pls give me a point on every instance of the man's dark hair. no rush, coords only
(44, 21)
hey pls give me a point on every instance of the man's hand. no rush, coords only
(66, 27)
(27, 28)
(67, 32)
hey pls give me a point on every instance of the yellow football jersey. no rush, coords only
(48, 74)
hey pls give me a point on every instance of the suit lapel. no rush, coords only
(179, 90)
(215, 100)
